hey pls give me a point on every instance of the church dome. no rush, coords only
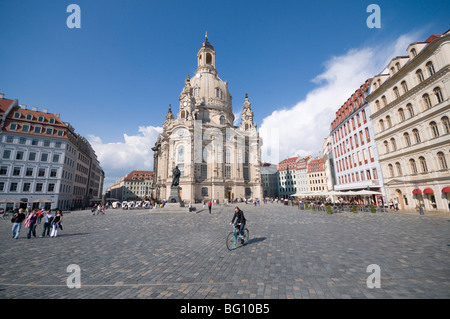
(209, 90)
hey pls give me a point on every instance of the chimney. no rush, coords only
(23, 106)
(2, 95)
(57, 115)
(34, 108)
(45, 111)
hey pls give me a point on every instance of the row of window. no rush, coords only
(34, 142)
(31, 117)
(404, 86)
(358, 176)
(434, 132)
(346, 146)
(384, 124)
(29, 171)
(26, 187)
(415, 166)
(347, 128)
(27, 128)
(355, 159)
(20, 156)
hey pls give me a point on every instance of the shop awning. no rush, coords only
(417, 191)
(428, 191)
(446, 189)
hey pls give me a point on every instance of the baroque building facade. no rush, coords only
(217, 159)
(410, 109)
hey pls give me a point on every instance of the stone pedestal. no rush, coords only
(174, 195)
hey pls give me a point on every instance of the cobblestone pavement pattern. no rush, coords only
(291, 254)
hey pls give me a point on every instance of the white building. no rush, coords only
(42, 157)
(410, 108)
(355, 152)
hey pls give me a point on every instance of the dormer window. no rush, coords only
(52, 120)
(413, 52)
(29, 117)
(41, 119)
(17, 115)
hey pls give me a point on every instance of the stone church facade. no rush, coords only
(217, 160)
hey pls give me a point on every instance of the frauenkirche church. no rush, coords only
(215, 159)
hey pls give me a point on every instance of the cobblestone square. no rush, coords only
(291, 254)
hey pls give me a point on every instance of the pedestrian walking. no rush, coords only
(209, 206)
(56, 223)
(31, 223)
(47, 223)
(395, 204)
(17, 220)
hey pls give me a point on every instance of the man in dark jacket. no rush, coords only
(17, 223)
(240, 220)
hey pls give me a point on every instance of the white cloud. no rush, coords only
(303, 127)
(134, 153)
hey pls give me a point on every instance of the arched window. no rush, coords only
(430, 68)
(384, 100)
(413, 166)
(392, 71)
(222, 120)
(381, 123)
(419, 76)
(180, 154)
(386, 147)
(442, 161)
(446, 124)
(423, 164)
(401, 115)
(391, 170)
(413, 52)
(404, 87)
(407, 139)
(434, 129)
(399, 169)
(397, 65)
(388, 121)
(438, 94)
(410, 110)
(377, 105)
(426, 101)
(393, 144)
(396, 93)
(195, 92)
(208, 58)
(416, 135)
(183, 114)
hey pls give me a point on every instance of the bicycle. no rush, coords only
(234, 239)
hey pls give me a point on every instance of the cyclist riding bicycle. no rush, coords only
(240, 221)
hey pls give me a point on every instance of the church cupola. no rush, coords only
(206, 57)
(247, 115)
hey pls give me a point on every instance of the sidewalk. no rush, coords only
(425, 213)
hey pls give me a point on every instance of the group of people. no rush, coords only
(393, 204)
(51, 222)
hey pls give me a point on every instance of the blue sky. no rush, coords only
(113, 78)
